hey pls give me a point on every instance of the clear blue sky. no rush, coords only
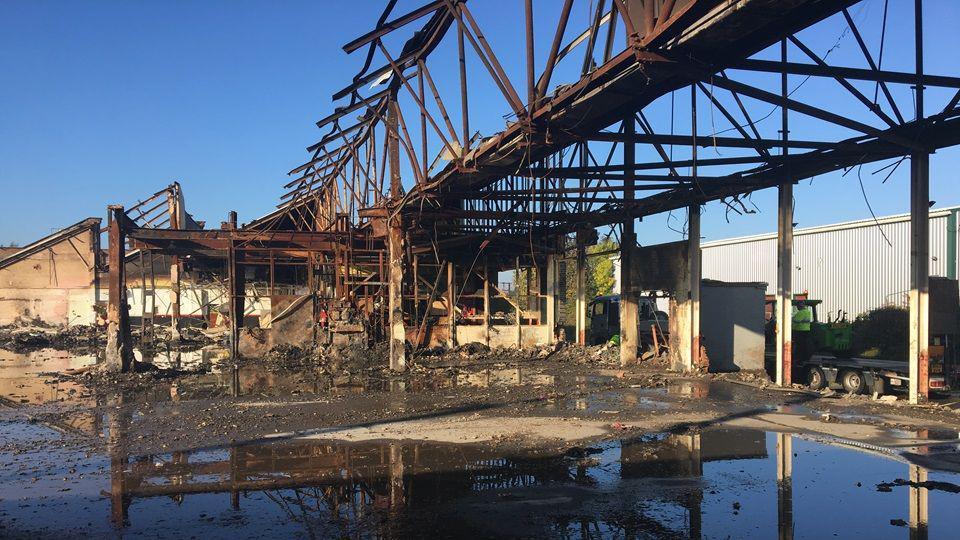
(105, 102)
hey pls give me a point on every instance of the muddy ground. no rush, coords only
(567, 401)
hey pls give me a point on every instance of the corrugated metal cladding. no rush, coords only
(849, 266)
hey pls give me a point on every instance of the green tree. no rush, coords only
(600, 279)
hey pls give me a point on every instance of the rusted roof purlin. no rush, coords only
(416, 48)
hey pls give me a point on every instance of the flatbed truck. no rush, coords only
(860, 375)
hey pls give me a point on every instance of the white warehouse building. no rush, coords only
(849, 266)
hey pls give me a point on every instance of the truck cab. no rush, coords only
(604, 318)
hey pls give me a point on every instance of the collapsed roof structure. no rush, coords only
(404, 213)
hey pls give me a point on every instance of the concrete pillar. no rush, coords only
(785, 486)
(629, 338)
(119, 353)
(784, 302)
(519, 309)
(581, 286)
(693, 255)
(919, 507)
(173, 204)
(919, 276)
(919, 241)
(551, 296)
(398, 335)
(784, 305)
(175, 268)
(451, 306)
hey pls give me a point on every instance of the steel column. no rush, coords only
(551, 296)
(919, 276)
(581, 268)
(919, 241)
(119, 354)
(784, 305)
(693, 255)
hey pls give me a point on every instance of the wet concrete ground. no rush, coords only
(538, 450)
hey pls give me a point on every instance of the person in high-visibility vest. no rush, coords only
(802, 318)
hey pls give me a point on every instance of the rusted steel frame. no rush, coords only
(531, 78)
(464, 110)
(421, 328)
(383, 162)
(390, 26)
(611, 33)
(723, 142)
(143, 213)
(843, 82)
(670, 181)
(586, 198)
(743, 110)
(314, 170)
(358, 168)
(340, 163)
(940, 132)
(364, 167)
(374, 75)
(576, 172)
(952, 103)
(419, 103)
(648, 129)
(334, 133)
(627, 22)
(815, 112)
(648, 17)
(407, 145)
(607, 161)
(872, 64)
(161, 193)
(592, 38)
(548, 68)
(569, 47)
(723, 110)
(348, 188)
(662, 32)
(313, 167)
(666, 9)
(443, 110)
(421, 89)
(822, 69)
(340, 112)
(153, 221)
(393, 150)
(487, 57)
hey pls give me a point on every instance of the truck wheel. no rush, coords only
(853, 381)
(816, 380)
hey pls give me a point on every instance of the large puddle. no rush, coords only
(719, 483)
